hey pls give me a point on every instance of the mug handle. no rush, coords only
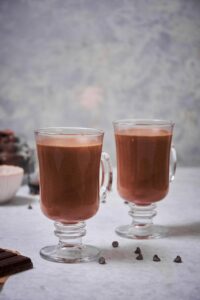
(106, 176)
(173, 163)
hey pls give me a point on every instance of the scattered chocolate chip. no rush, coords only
(139, 257)
(102, 260)
(138, 250)
(156, 258)
(125, 202)
(30, 206)
(115, 244)
(103, 201)
(178, 259)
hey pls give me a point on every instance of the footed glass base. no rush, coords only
(70, 248)
(76, 254)
(140, 232)
(142, 226)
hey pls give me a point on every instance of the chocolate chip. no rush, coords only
(102, 260)
(178, 259)
(103, 201)
(139, 257)
(115, 244)
(30, 206)
(156, 258)
(125, 202)
(138, 250)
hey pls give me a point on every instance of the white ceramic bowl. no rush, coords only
(10, 181)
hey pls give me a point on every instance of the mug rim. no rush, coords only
(75, 131)
(144, 122)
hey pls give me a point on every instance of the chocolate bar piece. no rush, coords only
(11, 263)
(6, 254)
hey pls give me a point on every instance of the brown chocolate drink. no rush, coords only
(143, 164)
(69, 178)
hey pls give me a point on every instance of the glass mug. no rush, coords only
(146, 163)
(69, 164)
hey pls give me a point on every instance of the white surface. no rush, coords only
(123, 277)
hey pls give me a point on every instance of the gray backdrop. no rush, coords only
(87, 62)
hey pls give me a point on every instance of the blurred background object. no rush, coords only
(88, 62)
(15, 151)
(10, 181)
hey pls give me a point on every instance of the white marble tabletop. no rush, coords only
(123, 277)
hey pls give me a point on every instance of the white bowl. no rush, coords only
(10, 181)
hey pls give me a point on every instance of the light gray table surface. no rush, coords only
(123, 277)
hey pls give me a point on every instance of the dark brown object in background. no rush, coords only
(14, 151)
(33, 183)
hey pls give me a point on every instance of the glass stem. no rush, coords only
(70, 235)
(142, 218)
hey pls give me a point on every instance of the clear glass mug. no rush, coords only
(146, 163)
(70, 187)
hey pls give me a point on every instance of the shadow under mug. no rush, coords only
(71, 187)
(146, 163)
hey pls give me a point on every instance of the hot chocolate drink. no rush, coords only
(69, 177)
(70, 187)
(143, 156)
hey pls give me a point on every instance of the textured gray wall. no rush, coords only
(87, 62)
